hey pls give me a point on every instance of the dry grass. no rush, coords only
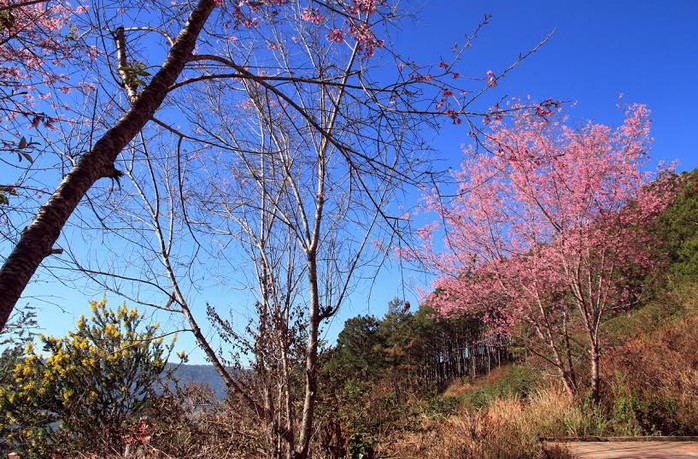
(652, 388)
(655, 378)
(461, 387)
(508, 428)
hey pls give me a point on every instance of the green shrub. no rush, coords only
(359, 447)
(440, 406)
(519, 382)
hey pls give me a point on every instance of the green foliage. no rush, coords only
(383, 373)
(623, 420)
(134, 74)
(440, 406)
(649, 316)
(355, 353)
(519, 381)
(366, 377)
(80, 395)
(359, 448)
(595, 419)
(679, 227)
(7, 20)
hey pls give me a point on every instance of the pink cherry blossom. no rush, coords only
(335, 36)
(491, 79)
(312, 15)
(35, 45)
(548, 222)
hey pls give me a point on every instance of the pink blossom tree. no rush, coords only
(549, 229)
(37, 40)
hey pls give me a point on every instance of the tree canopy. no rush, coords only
(550, 227)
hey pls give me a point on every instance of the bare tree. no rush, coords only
(283, 180)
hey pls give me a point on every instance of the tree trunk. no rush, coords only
(310, 361)
(37, 240)
(471, 355)
(568, 352)
(595, 376)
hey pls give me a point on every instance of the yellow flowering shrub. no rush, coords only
(91, 382)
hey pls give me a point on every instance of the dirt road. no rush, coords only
(652, 449)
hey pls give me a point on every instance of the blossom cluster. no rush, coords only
(545, 217)
(38, 41)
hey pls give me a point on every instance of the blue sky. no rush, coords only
(603, 54)
(644, 51)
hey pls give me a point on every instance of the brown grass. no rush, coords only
(462, 387)
(508, 428)
(655, 377)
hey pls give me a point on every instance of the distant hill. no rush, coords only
(199, 374)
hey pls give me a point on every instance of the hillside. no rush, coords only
(202, 375)
(650, 373)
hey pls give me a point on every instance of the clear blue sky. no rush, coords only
(646, 51)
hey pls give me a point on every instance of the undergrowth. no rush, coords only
(651, 389)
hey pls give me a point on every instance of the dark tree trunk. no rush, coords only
(37, 240)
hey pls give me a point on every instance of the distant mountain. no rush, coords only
(204, 375)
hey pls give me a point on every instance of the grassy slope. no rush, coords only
(651, 385)
(650, 369)
(651, 388)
